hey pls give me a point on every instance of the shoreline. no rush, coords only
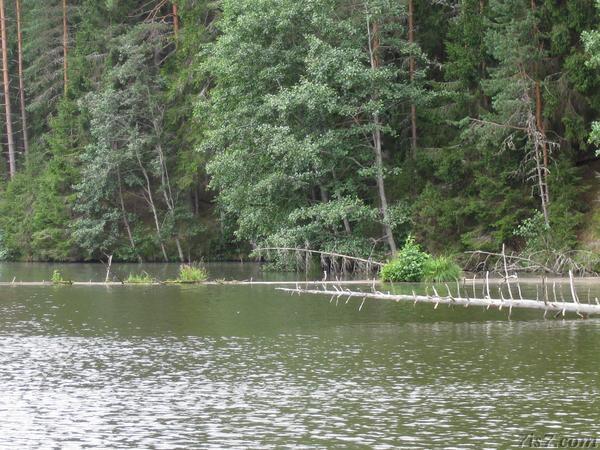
(463, 282)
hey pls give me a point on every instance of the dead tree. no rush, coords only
(539, 124)
(534, 163)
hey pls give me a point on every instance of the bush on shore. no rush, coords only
(414, 265)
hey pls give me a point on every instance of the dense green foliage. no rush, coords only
(57, 277)
(408, 265)
(241, 124)
(440, 269)
(591, 41)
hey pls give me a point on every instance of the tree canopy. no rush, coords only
(187, 129)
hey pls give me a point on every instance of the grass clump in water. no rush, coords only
(191, 273)
(142, 278)
(57, 278)
(440, 269)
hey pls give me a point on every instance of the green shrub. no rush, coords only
(440, 269)
(142, 278)
(408, 265)
(57, 278)
(191, 273)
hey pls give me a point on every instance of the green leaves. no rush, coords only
(591, 40)
(291, 118)
(408, 265)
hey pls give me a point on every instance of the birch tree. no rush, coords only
(323, 116)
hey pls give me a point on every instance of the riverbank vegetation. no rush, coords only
(178, 130)
(413, 264)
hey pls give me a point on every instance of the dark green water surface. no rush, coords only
(251, 367)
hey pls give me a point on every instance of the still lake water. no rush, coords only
(250, 367)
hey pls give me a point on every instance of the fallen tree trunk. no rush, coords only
(560, 307)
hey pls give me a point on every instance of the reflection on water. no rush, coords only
(248, 367)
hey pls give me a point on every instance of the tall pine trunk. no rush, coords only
(175, 20)
(411, 73)
(21, 78)
(9, 130)
(65, 45)
(539, 105)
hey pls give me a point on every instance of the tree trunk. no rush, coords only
(151, 204)
(21, 78)
(540, 126)
(542, 186)
(65, 45)
(166, 187)
(484, 100)
(545, 193)
(155, 215)
(374, 45)
(195, 199)
(411, 72)
(108, 266)
(381, 186)
(175, 20)
(9, 130)
(124, 212)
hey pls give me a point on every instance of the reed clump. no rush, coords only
(191, 273)
(141, 278)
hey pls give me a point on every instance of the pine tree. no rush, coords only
(592, 45)
(7, 96)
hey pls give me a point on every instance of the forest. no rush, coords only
(179, 130)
